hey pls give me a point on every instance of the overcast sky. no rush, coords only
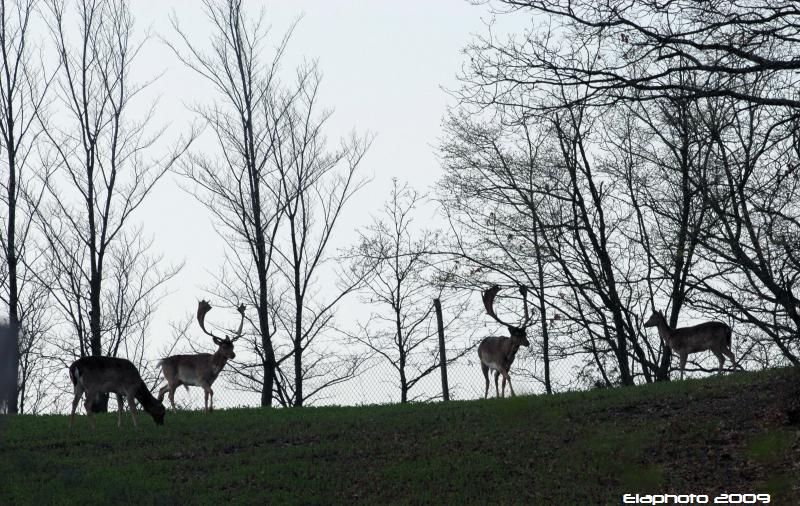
(384, 63)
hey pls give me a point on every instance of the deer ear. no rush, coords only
(217, 341)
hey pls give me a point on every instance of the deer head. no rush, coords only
(518, 332)
(655, 318)
(225, 344)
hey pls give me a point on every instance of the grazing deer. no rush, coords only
(714, 336)
(99, 375)
(201, 369)
(497, 353)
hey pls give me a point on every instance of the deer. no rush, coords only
(100, 375)
(714, 336)
(200, 369)
(497, 352)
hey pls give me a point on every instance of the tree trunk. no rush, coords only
(11, 260)
(9, 362)
(622, 358)
(262, 259)
(298, 350)
(263, 311)
(269, 354)
(298, 374)
(100, 403)
(401, 349)
(403, 382)
(681, 253)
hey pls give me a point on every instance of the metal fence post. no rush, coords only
(437, 304)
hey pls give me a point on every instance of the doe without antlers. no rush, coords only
(99, 375)
(714, 336)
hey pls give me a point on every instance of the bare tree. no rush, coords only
(647, 44)
(23, 87)
(402, 331)
(654, 149)
(733, 66)
(543, 188)
(242, 186)
(277, 190)
(101, 173)
(319, 181)
(135, 286)
(670, 126)
(492, 194)
(752, 187)
(590, 258)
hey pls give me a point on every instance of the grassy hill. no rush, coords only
(737, 433)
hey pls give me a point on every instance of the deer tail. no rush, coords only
(73, 373)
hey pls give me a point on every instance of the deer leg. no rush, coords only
(75, 400)
(169, 388)
(503, 389)
(727, 352)
(206, 389)
(485, 371)
(172, 389)
(88, 405)
(163, 390)
(683, 357)
(507, 377)
(496, 388)
(119, 410)
(132, 405)
(211, 399)
(721, 359)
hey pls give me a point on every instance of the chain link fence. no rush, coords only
(378, 383)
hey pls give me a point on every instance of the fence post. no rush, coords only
(437, 304)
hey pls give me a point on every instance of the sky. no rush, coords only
(385, 65)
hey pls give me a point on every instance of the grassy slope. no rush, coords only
(720, 434)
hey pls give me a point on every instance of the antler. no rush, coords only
(241, 322)
(204, 307)
(523, 290)
(488, 302)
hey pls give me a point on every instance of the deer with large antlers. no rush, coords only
(714, 336)
(200, 369)
(496, 352)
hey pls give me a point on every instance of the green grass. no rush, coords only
(698, 436)
(770, 445)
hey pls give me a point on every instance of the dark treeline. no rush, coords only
(79, 160)
(615, 158)
(619, 157)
